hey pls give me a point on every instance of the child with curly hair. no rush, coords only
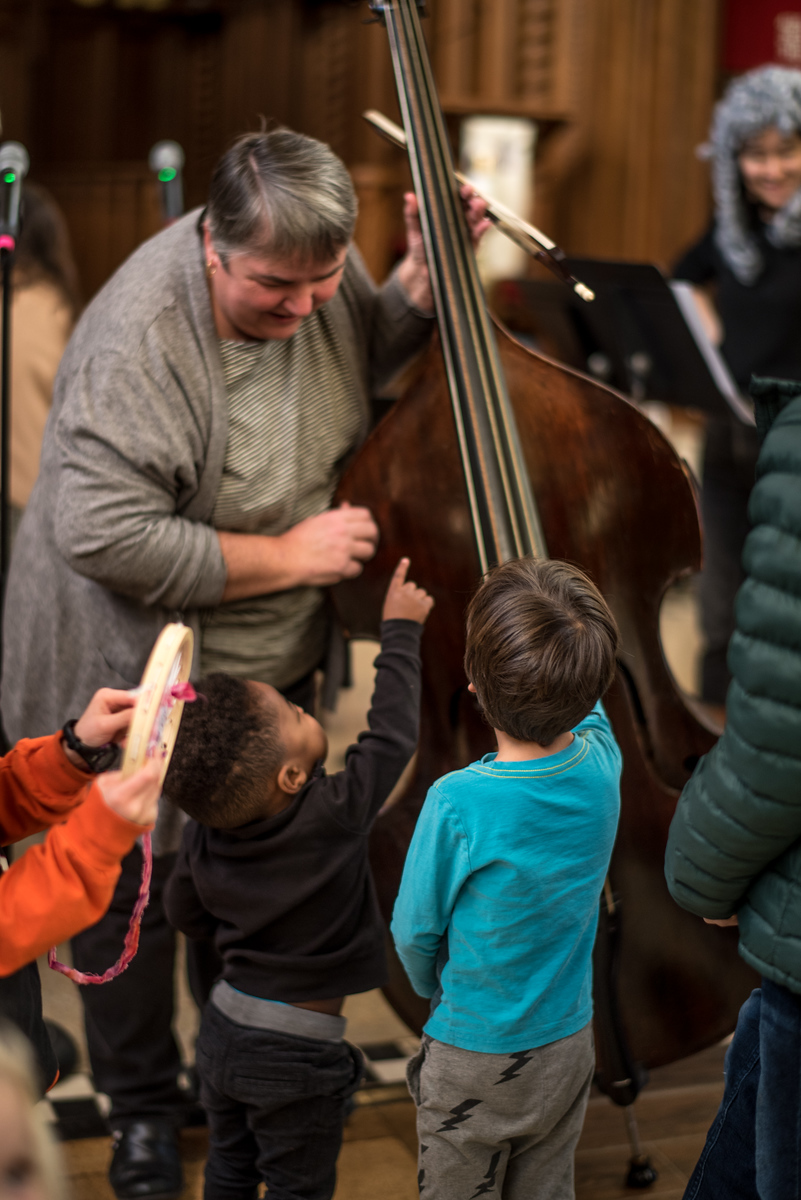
(274, 867)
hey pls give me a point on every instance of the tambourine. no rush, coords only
(160, 700)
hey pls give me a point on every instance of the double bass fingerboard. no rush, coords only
(502, 504)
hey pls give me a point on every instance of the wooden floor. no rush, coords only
(379, 1156)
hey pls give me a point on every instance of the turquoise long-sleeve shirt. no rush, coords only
(498, 906)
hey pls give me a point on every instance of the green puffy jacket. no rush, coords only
(735, 840)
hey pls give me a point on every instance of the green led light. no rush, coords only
(10, 176)
(166, 175)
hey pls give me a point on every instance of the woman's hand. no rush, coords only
(332, 546)
(413, 271)
(318, 552)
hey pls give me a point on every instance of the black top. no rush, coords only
(761, 322)
(290, 901)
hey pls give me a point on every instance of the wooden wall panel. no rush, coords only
(110, 210)
(622, 89)
(20, 34)
(634, 188)
(259, 65)
(502, 56)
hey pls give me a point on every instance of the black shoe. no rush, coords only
(146, 1162)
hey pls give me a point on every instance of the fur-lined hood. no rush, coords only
(767, 96)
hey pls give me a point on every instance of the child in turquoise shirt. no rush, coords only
(498, 906)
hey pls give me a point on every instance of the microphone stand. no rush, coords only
(14, 164)
(6, 265)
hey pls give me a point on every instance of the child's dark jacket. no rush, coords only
(290, 901)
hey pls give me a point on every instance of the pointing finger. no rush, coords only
(399, 575)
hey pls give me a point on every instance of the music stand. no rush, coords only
(641, 334)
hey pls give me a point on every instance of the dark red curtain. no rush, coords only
(762, 31)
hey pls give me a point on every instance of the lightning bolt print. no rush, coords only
(421, 1174)
(489, 1179)
(458, 1115)
(514, 1069)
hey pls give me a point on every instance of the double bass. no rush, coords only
(494, 452)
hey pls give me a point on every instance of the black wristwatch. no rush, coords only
(97, 758)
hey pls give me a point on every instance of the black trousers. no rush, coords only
(21, 1004)
(276, 1109)
(134, 1056)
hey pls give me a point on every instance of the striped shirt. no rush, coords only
(294, 415)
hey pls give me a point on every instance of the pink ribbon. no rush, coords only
(179, 691)
(131, 944)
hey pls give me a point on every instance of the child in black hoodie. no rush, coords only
(274, 867)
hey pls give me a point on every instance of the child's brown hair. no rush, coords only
(541, 648)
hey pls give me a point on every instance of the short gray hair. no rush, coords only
(281, 194)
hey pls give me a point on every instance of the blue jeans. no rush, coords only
(276, 1108)
(753, 1150)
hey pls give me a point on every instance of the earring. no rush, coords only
(211, 269)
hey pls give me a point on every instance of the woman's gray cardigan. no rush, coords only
(117, 540)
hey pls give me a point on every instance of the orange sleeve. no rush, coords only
(65, 884)
(38, 787)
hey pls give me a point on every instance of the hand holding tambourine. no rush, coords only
(156, 718)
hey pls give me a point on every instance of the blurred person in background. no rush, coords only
(45, 305)
(30, 1165)
(747, 275)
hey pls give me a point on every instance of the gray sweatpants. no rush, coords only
(500, 1125)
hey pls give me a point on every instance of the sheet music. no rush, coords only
(721, 374)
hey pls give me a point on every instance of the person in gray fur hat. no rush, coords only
(747, 273)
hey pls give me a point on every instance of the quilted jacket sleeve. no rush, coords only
(734, 842)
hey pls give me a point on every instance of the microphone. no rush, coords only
(167, 160)
(14, 163)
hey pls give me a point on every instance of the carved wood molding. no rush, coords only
(504, 56)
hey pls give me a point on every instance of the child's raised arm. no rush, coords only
(376, 762)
